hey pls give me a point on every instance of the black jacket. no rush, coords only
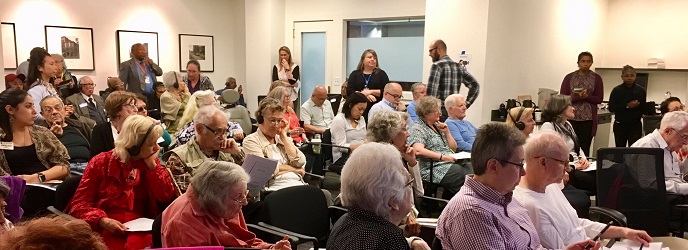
(101, 139)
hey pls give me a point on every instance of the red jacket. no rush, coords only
(103, 189)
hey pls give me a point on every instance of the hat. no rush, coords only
(11, 77)
(230, 96)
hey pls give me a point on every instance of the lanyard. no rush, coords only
(367, 80)
(143, 69)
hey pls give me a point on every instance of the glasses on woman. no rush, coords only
(244, 198)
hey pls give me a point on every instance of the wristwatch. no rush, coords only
(41, 177)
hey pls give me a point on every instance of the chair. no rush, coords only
(65, 191)
(334, 100)
(336, 213)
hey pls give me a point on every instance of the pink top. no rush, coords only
(293, 123)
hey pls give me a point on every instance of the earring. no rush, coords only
(11, 118)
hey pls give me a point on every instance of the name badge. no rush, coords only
(6, 145)
(147, 80)
(83, 105)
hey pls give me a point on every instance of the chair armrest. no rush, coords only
(617, 216)
(336, 146)
(292, 239)
(438, 200)
(316, 176)
(60, 213)
(301, 237)
(682, 207)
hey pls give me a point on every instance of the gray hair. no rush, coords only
(556, 106)
(676, 120)
(211, 182)
(49, 97)
(452, 100)
(416, 86)
(544, 143)
(385, 125)
(494, 141)
(169, 78)
(205, 114)
(278, 93)
(4, 190)
(427, 105)
(362, 184)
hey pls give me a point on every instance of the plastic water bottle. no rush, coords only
(316, 143)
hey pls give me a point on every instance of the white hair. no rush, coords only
(169, 78)
(453, 99)
(211, 182)
(205, 114)
(372, 175)
(544, 143)
(676, 120)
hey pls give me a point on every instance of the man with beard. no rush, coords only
(447, 75)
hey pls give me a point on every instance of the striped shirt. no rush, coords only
(446, 77)
(478, 217)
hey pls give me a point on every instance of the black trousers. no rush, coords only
(455, 178)
(583, 130)
(584, 180)
(628, 132)
(578, 199)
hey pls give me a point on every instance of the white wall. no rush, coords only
(219, 18)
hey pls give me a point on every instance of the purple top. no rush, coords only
(595, 95)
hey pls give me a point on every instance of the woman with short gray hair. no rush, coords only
(173, 101)
(209, 213)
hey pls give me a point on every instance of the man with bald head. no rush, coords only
(87, 104)
(317, 113)
(139, 73)
(391, 100)
(74, 134)
(447, 75)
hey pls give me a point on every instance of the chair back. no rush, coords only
(631, 181)
(156, 231)
(17, 187)
(334, 100)
(326, 150)
(65, 191)
(300, 209)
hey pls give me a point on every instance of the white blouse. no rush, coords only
(344, 134)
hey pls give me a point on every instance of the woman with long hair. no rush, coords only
(368, 79)
(286, 70)
(42, 71)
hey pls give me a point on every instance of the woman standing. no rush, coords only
(42, 70)
(349, 127)
(194, 80)
(368, 79)
(627, 102)
(286, 70)
(173, 101)
(283, 94)
(586, 90)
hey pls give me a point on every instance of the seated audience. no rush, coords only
(88, 105)
(124, 184)
(462, 130)
(236, 112)
(193, 78)
(74, 134)
(209, 213)
(316, 112)
(671, 104)
(524, 116)
(418, 90)
(232, 84)
(41, 76)
(671, 136)
(432, 140)
(154, 100)
(13, 81)
(483, 215)
(198, 100)
(556, 113)
(209, 143)
(344, 96)
(349, 127)
(56, 233)
(556, 222)
(142, 110)
(377, 202)
(114, 84)
(119, 105)
(391, 100)
(283, 94)
(173, 101)
(5, 223)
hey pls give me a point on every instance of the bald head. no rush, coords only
(547, 158)
(319, 95)
(393, 93)
(437, 50)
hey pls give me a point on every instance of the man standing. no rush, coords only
(482, 215)
(391, 100)
(317, 113)
(91, 106)
(232, 84)
(73, 134)
(447, 75)
(418, 90)
(139, 73)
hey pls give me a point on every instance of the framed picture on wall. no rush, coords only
(197, 47)
(75, 44)
(9, 46)
(127, 38)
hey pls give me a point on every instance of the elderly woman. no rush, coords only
(118, 106)
(173, 101)
(124, 184)
(197, 101)
(57, 233)
(522, 119)
(209, 213)
(193, 78)
(295, 130)
(432, 140)
(348, 128)
(377, 203)
(556, 114)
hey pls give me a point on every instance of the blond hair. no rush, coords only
(198, 100)
(134, 129)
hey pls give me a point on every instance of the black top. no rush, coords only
(357, 82)
(360, 229)
(153, 106)
(101, 139)
(620, 97)
(76, 145)
(24, 160)
(294, 73)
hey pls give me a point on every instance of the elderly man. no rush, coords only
(209, 143)
(418, 90)
(13, 81)
(482, 215)
(554, 218)
(391, 100)
(232, 84)
(671, 136)
(74, 134)
(447, 75)
(139, 73)
(462, 130)
(65, 82)
(317, 113)
(90, 106)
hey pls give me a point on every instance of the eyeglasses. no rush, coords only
(244, 198)
(274, 121)
(89, 85)
(520, 165)
(393, 95)
(216, 133)
(142, 108)
(50, 109)
(131, 105)
(684, 137)
(410, 182)
(431, 49)
(565, 163)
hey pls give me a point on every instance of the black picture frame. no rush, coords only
(126, 38)
(196, 47)
(13, 50)
(78, 55)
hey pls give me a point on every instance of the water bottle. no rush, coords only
(316, 143)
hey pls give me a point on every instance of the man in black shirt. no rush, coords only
(627, 101)
(153, 104)
(74, 134)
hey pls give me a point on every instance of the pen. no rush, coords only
(600, 234)
(641, 246)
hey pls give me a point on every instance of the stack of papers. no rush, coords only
(461, 155)
(139, 225)
(632, 245)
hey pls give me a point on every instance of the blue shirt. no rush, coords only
(411, 109)
(149, 75)
(384, 104)
(463, 132)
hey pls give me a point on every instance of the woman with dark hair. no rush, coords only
(368, 79)
(194, 80)
(627, 101)
(349, 127)
(286, 70)
(586, 90)
(42, 70)
(671, 104)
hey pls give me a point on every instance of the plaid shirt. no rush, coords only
(446, 77)
(478, 217)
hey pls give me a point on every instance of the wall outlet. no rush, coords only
(337, 81)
